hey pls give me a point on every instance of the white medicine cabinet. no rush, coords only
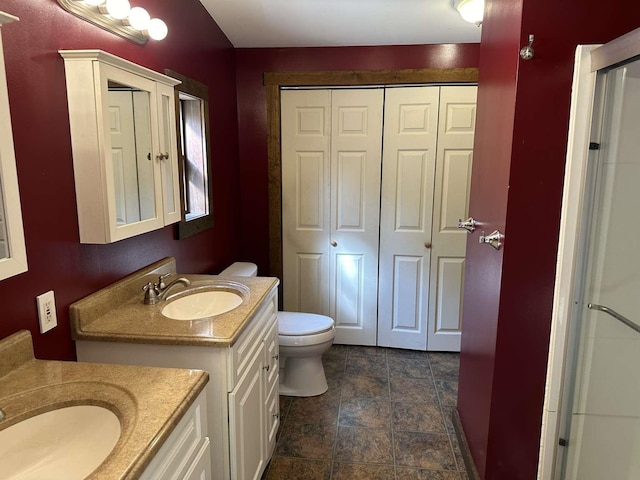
(13, 255)
(123, 136)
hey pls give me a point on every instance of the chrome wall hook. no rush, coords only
(526, 53)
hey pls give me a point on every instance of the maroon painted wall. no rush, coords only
(37, 95)
(252, 113)
(523, 113)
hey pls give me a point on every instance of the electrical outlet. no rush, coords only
(47, 311)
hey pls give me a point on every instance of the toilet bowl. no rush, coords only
(303, 338)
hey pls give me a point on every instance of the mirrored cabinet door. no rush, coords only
(131, 170)
(123, 128)
(13, 255)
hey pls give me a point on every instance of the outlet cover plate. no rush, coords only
(47, 311)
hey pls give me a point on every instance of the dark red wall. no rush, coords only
(37, 95)
(252, 113)
(523, 113)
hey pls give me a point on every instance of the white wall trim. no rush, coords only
(582, 100)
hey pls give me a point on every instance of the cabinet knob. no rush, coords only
(163, 156)
(267, 368)
(427, 244)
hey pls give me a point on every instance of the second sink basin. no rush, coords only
(205, 302)
(67, 443)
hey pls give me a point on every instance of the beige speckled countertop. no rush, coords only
(149, 402)
(117, 312)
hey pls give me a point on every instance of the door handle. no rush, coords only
(469, 224)
(494, 239)
(334, 244)
(427, 244)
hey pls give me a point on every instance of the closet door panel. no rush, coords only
(451, 202)
(306, 120)
(356, 146)
(409, 157)
(407, 294)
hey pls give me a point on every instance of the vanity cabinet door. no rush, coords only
(272, 376)
(247, 422)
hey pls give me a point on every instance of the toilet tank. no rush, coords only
(240, 269)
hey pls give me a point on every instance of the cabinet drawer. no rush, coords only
(200, 469)
(183, 445)
(243, 350)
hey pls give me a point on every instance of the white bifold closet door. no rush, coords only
(428, 149)
(331, 168)
(408, 179)
(370, 233)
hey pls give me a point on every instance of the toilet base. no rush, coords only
(302, 377)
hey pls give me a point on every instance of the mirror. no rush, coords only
(194, 155)
(131, 147)
(13, 255)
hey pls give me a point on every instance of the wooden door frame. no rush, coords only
(274, 81)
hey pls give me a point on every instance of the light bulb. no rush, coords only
(118, 9)
(139, 18)
(157, 29)
(94, 3)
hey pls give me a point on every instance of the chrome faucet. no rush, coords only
(156, 292)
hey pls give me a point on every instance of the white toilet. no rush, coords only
(303, 338)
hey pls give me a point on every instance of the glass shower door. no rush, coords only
(603, 437)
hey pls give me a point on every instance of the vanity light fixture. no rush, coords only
(471, 11)
(117, 16)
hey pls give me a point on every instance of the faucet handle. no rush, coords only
(161, 285)
(150, 294)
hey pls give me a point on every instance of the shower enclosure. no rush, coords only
(602, 438)
(591, 424)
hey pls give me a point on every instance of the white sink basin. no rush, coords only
(203, 304)
(67, 443)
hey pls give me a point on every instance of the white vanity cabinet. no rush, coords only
(242, 394)
(123, 137)
(254, 407)
(186, 453)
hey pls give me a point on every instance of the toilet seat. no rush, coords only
(299, 329)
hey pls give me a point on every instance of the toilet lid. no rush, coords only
(297, 323)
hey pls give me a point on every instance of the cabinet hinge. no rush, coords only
(594, 146)
(563, 442)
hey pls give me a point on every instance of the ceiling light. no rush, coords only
(470, 10)
(157, 29)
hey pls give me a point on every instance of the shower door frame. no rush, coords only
(585, 106)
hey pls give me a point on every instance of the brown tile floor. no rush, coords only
(386, 416)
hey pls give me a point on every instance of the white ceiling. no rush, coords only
(313, 23)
